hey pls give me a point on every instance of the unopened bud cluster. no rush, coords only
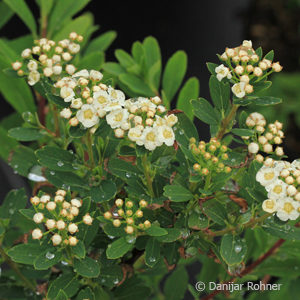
(57, 215)
(244, 68)
(211, 157)
(48, 59)
(267, 137)
(281, 180)
(129, 214)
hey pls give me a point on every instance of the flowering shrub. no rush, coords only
(123, 188)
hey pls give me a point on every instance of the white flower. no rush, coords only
(150, 138)
(45, 198)
(82, 73)
(87, 116)
(37, 234)
(117, 117)
(76, 103)
(291, 190)
(60, 224)
(70, 69)
(135, 134)
(239, 89)
(222, 72)
(66, 113)
(95, 75)
(296, 164)
(57, 69)
(166, 135)
(33, 77)
(26, 53)
(269, 205)
(265, 176)
(159, 121)
(116, 95)
(171, 120)
(72, 228)
(50, 223)
(74, 48)
(56, 239)
(101, 99)
(67, 93)
(76, 202)
(145, 104)
(287, 209)
(48, 71)
(277, 189)
(247, 44)
(87, 219)
(253, 148)
(51, 205)
(66, 56)
(38, 218)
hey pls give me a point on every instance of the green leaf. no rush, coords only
(177, 193)
(62, 11)
(266, 100)
(14, 200)
(25, 253)
(113, 68)
(261, 86)
(87, 293)
(92, 61)
(111, 275)
(79, 250)
(242, 132)
(174, 73)
(25, 134)
(21, 9)
(173, 235)
(152, 252)
(176, 284)
(102, 42)
(155, 230)
(259, 52)
(270, 55)
(284, 231)
(57, 100)
(80, 25)
(87, 267)
(118, 248)
(215, 211)
(8, 144)
(136, 85)
(152, 58)
(55, 158)
(189, 91)
(211, 68)
(61, 295)
(46, 6)
(67, 282)
(204, 111)
(106, 191)
(197, 221)
(44, 261)
(125, 60)
(133, 289)
(76, 132)
(220, 93)
(233, 249)
(5, 14)
(122, 168)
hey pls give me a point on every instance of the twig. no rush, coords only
(227, 121)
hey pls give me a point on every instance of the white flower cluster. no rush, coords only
(281, 179)
(144, 120)
(244, 68)
(60, 223)
(48, 58)
(266, 138)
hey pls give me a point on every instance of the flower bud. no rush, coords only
(74, 211)
(38, 218)
(73, 241)
(253, 148)
(72, 228)
(35, 200)
(129, 229)
(51, 205)
(56, 239)
(119, 202)
(87, 219)
(276, 67)
(279, 151)
(143, 203)
(239, 70)
(289, 180)
(129, 221)
(257, 71)
(259, 158)
(147, 224)
(107, 215)
(37, 234)
(45, 198)
(59, 198)
(268, 148)
(291, 190)
(129, 204)
(139, 213)
(50, 224)
(61, 225)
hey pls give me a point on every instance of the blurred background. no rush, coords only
(201, 29)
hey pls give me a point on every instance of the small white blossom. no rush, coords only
(33, 77)
(166, 135)
(76, 103)
(76, 202)
(239, 89)
(82, 73)
(67, 93)
(247, 44)
(87, 115)
(66, 113)
(26, 53)
(117, 117)
(269, 205)
(277, 189)
(222, 72)
(287, 209)
(95, 75)
(266, 176)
